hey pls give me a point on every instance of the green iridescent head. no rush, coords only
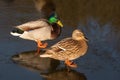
(54, 19)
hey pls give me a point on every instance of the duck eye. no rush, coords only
(79, 34)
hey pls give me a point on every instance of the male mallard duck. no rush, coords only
(39, 30)
(68, 48)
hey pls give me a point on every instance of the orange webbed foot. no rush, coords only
(70, 63)
(40, 45)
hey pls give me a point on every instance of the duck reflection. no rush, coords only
(45, 6)
(63, 74)
(29, 60)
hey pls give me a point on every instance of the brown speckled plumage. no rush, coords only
(68, 48)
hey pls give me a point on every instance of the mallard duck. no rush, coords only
(68, 49)
(39, 30)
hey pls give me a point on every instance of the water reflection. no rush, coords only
(63, 74)
(45, 6)
(73, 12)
(8, 1)
(29, 60)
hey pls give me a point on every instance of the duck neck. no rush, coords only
(56, 30)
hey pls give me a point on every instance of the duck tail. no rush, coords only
(48, 53)
(16, 32)
(45, 55)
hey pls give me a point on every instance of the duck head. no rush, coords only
(78, 35)
(54, 19)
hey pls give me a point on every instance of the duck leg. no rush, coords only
(39, 46)
(70, 64)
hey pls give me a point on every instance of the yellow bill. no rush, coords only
(59, 23)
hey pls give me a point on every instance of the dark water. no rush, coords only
(98, 19)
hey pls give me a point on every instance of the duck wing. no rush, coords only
(67, 44)
(32, 25)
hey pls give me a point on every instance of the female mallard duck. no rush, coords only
(39, 30)
(68, 48)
